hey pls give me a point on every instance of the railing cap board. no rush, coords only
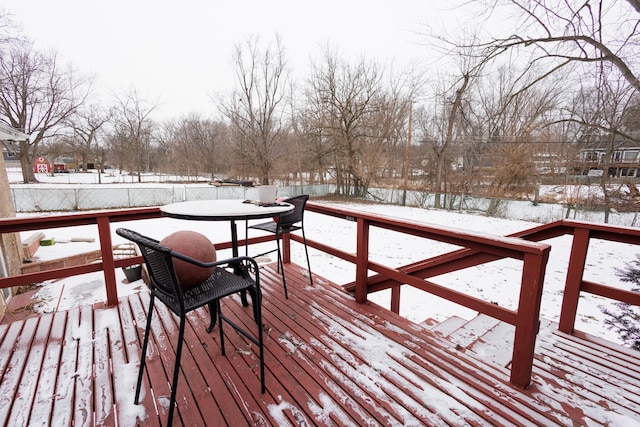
(423, 229)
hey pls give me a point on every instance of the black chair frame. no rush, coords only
(164, 285)
(286, 224)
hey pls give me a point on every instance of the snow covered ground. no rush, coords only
(496, 282)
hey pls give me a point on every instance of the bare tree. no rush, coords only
(601, 111)
(443, 123)
(557, 34)
(359, 115)
(513, 123)
(36, 97)
(86, 125)
(133, 132)
(9, 31)
(257, 108)
(442, 126)
(194, 145)
(211, 139)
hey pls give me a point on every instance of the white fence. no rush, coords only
(72, 197)
(38, 198)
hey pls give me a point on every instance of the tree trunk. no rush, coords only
(28, 176)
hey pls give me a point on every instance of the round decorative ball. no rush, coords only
(194, 245)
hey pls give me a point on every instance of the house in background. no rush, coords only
(9, 137)
(10, 155)
(620, 159)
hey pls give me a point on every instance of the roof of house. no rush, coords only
(7, 133)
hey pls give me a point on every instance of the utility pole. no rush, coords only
(407, 158)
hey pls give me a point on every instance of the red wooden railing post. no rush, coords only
(362, 260)
(108, 263)
(573, 283)
(528, 318)
(395, 299)
(285, 240)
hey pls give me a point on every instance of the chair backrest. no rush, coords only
(297, 214)
(158, 260)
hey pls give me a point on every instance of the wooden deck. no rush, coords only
(329, 361)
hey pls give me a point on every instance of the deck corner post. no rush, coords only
(108, 263)
(573, 283)
(528, 317)
(362, 260)
(395, 299)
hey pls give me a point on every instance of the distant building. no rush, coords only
(41, 165)
(9, 136)
(10, 155)
(620, 159)
(7, 133)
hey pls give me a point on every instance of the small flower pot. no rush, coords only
(133, 272)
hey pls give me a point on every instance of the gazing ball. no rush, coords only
(196, 246)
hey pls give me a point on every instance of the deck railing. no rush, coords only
(583, 233)
(476, 249)
(103, 220)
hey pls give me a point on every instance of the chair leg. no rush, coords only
(145, 343)
(220, 326)
(176, 370)
(258, 317)
(213, 313)
(306, 251)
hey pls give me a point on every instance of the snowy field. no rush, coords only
(495, 282)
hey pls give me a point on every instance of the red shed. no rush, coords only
(41, 165)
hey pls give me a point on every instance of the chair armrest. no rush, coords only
(235, 260)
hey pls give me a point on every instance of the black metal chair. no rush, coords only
(284, 225)
(165, 286)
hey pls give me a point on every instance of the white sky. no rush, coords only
(179, 53)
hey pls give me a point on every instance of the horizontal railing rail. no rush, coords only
(476, 249)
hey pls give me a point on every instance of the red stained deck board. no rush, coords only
(63, 398)
(103, 391)
(48, 376)
(426, 370)
(160, 358)
(285, 385)
(14, 357)
(130, 355)
(298, 337)
(321, 351)
(154, 381)
(442, 365)
(167, 333)
(216, 369)
(84, 375)
(34, 357)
